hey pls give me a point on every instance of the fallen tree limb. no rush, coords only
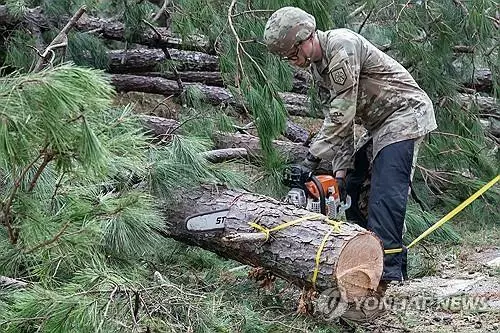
(294, 152)
(60, 41)
(144, 60)
(296, 104)
(108, 29)
(351, 256)
(208, 78)
(7, 282)
(221, 155)
(115, 30)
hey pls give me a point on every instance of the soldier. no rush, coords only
(357, 81)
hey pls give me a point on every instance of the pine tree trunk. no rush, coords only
(108, 29)
(351, 258)
(296, 104)
(144, 60)
(296, 152)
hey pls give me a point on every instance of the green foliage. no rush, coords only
(77, 208)
(19, 54)
(133, 17)
(78, 176)
(421, 264)
(418, 221)
(87, 50)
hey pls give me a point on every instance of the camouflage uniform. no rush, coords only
(359, 83)
(357, 80)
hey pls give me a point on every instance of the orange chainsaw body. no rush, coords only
(329, 185)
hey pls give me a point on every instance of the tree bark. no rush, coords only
(351, 258)
(110, 29)
(290, 253)
(115, 30)
(208, 78)
(145, 60)
(481, 81)
(296, 104)
(293, 151)
(222, 155)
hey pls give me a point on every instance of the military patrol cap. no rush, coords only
(287, 27)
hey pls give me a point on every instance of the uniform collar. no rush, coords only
(320, 65)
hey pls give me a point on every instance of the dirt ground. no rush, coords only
(464, 296)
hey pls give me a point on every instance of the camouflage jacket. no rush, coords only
(358, 82)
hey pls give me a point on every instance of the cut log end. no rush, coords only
(360, 265)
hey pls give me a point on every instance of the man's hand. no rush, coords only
(342, 188)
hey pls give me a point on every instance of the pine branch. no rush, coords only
(162, 10)
(462, 5)
(105, 315)
(56, 188)
(357, 10)
(7, 206)
(61, 40)
(252, 11)
(50, 241)
(7, 282)
(47, 158)
(167, 53)
(240, 72)
(365, 20)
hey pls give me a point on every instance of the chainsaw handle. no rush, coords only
(322, 201)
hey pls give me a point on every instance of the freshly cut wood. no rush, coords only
(144, 60)
(351, 258)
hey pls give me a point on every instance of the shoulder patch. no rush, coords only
(339, 76)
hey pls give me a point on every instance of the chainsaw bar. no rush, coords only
(208, 221)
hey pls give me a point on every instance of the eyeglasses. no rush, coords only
(296, 47)
(294, 56)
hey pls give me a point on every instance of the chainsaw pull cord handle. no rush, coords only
(322, 201)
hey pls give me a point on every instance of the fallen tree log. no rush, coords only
(222, 155)
(355, 257)
(208, 78)
(144, 60)
(293, 152)
(109, 29)
(351, 257)
(296, 104)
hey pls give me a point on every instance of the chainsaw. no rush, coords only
(317, 194)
